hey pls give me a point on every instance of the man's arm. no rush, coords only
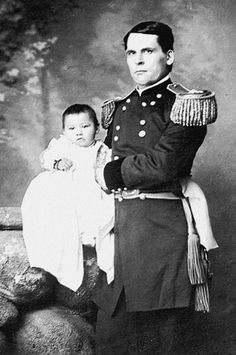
(166, 161)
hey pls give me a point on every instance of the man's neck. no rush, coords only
(141, 90)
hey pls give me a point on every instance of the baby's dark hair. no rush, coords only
(78, 108)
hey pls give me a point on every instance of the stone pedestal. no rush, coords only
(37, 314)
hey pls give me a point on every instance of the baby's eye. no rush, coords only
(85, 126)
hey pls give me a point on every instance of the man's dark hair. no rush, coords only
(161, 30)
(79, 108)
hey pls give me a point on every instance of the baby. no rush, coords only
(64, 207)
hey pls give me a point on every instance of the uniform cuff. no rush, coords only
(112, 175)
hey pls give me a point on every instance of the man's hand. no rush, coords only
(103, 157)
(64, 164)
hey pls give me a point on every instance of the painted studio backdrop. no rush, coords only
(56, 53)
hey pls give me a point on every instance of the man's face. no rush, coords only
(146, 60)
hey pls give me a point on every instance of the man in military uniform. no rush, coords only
(151, 290)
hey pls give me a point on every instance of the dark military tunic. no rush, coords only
(152, 154)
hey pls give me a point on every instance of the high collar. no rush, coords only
(163, 80)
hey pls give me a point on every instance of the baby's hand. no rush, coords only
(64, 164)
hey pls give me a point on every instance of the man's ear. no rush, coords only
(170, 57)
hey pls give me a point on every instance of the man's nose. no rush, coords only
(139, 59)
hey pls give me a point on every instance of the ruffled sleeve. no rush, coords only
(53, 152)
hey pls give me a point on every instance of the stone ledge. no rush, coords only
(66, 327)
(10, 218)
(14, 262)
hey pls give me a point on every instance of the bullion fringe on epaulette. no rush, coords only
(108, 109)
(194, 112)
(192, 107)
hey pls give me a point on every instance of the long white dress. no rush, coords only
(63, 209)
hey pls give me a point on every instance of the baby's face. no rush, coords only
(80, 129)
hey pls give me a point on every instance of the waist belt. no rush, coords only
(121, 195)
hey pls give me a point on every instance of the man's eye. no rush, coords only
(71, 128)
(149, 51)
(129, 53)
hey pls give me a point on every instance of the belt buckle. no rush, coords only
(130, 193)
(120, 195)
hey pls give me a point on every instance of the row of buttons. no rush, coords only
(140, 133)
(159, 96)
(141, 122)
(144, 104)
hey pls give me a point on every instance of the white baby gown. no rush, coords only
(63, 209)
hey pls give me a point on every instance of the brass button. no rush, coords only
(123, 108)
(117, 127)
(158, 96)
(142, 122)
(116, 157)
(152, 103)
(116, 138)
(144, 104)
(142, 134)
(128, 101)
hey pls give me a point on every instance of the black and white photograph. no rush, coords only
(117, 177)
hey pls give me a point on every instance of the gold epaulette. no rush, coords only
(108, 109)
(192, 107)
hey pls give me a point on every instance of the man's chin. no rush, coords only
(143, 82)
(140, 80)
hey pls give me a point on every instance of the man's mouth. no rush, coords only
(140, 71)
